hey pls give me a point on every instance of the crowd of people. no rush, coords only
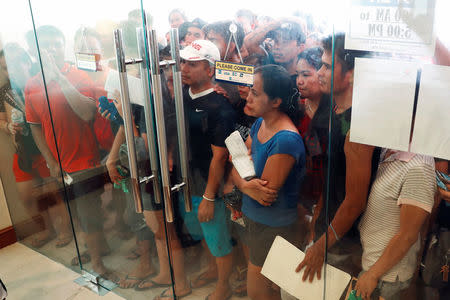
(366, 209)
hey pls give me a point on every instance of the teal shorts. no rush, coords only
(215, 232)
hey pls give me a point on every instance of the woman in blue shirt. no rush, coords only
(270, 200)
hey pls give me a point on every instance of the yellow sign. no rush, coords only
(234, 73)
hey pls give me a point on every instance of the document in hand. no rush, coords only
(280, 265)
(239, 155)
(134, 86)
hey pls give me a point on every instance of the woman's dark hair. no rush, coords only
(313, 56)
(277, 83)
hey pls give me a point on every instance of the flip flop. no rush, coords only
(37, 242)
(229, 296)
(137, 280)
(154, 285)
(63, 241)
(241, 290)
(203, 281)
(85, 257)
(111, 276)
(163, 295)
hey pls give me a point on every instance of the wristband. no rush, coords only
(335, 234)
(209, 199)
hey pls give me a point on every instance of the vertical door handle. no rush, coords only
(160, 124)
(181, 123)
(148, 111)
(128, 122)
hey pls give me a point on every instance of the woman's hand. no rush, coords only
(14, 128)
(112, 172)
(256, 189)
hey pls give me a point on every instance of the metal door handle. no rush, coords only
(181, 123)
(128, 122)
(148, 111)
(160, 124)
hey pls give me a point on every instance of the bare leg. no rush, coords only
(224, 269)
(258, 286)
(155, 221)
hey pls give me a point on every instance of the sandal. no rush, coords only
(202, 280)
(137, 280)
(229, 296)
(241, 290)
(140, 287)
(63, 241)
(111, 276)
(164, 295)
(85, 257)
(39, 241)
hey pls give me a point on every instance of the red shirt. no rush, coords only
(77, 145)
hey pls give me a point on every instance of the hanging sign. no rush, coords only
(398, 26)
(88, 62)
(234, 73)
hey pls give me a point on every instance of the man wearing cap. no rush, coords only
(210, 120)
(287, 42)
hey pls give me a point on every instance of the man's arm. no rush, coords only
(253, 40)
(39, 139)
(411, 221)
(113, 157)
(83, 106)
(358, 171)
(215, 176)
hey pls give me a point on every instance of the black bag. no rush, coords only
(435, 266)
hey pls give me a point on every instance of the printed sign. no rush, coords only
(88, 62)
(399, 26)
(234, 73)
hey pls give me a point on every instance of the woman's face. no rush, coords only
(307, 80)
(258, 102)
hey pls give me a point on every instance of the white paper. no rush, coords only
(239, 155)
(392, 26)
(134, 85)
(383, 102)
(280, 266)
(432, 125)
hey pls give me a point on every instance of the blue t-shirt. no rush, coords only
(283, 211)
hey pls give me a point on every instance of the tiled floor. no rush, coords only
(28, 274)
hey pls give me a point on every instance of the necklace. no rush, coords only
(308, 106)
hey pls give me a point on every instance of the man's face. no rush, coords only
(193, 34)
(196, 73)
(340, 80)
(54, 47)
(286, 51)
(220, 42)
(175, 20)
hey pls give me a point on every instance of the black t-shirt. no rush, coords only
(211, 119)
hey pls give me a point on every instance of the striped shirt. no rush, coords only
(402, 178)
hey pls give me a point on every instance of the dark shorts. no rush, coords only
(84, 193)
(259, 238)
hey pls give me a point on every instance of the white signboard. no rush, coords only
(398, 26)
(432, 126)
(383, 102)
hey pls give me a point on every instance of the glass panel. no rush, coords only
(381, 201)
(35, 198)
(221, 249)
(82, 81)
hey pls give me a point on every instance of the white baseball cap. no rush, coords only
(201, 50)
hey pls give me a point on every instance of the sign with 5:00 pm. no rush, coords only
(398, 26)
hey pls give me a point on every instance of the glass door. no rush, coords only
(94, 98)
(219, 230)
